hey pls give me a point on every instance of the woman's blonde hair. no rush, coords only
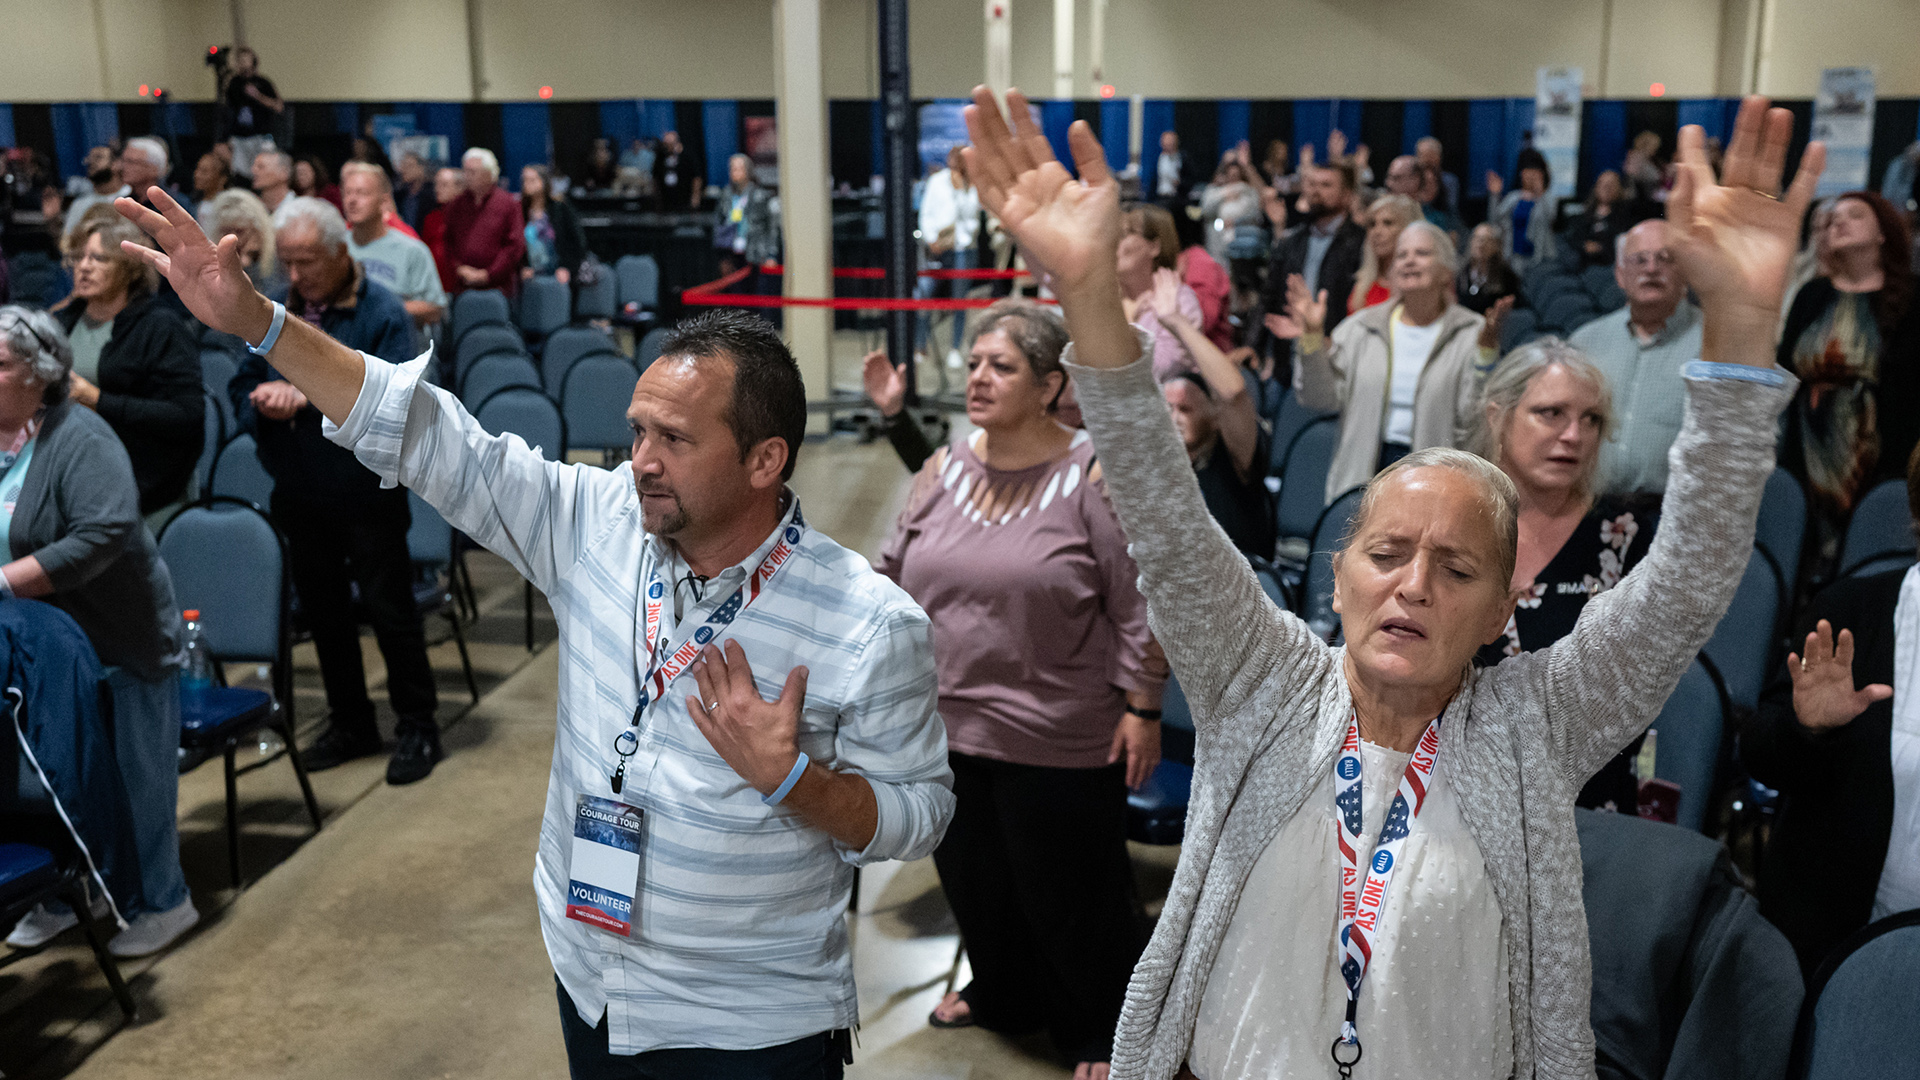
(233, 210)
(1156, 225)
(1508, 383)
(132, 272)
(1370, 268)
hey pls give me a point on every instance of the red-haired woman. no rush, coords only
(1853, 337)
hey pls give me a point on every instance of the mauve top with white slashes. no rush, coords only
(1039, 628)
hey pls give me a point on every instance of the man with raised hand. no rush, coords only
(746, 710)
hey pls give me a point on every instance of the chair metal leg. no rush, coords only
(529, 616)
(300, 772)
(466, 663)
(83, 908)
(953, 973)
(233, 816)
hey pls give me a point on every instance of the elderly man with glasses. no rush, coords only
(1641, 348)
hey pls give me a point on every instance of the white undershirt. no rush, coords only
(1900, 877)
(1412, 347)
(1435, 1000)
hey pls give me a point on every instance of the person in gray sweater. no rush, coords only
(71, 512)
(1288, 935)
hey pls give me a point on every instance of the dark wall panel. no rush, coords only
(1380, 124)
(1198, 122)
(574, 126)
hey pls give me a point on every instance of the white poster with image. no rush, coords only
(1556, 125)
(1843, 119)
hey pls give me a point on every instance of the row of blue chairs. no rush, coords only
(629, 295)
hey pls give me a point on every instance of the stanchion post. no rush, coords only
(896, 108)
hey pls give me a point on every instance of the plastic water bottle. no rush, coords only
(197, 678)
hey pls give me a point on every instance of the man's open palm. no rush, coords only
(209, 279)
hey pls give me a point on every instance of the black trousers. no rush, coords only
(815, 1057)
(330, 548)
(1035, 868)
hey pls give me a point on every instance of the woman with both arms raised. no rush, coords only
(1289, 935)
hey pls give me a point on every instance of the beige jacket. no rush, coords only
(1352, 369)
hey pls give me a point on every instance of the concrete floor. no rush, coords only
(401, 941)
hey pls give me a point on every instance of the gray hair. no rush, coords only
(367, 168)
(285, 159)
(37, 339)
(485, 157)
(1508, 383)
(1037, 331)
(155, 150)
(318, 213)
(1497, 494)
(1445, 255)
(235, 209)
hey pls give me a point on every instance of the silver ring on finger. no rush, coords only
(712, 706)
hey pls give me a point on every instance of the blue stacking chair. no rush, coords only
(636, 286)
(1743, 645)
(594, 403)
(1291, 418)
(595, 300)
(1568, 311)
(479, 307)
(534, 417)
(1316, 594)
(430, 546)
(495, 372)
(1880, 534)
(1520, 326)
(545, 306)
(227, 561)
(217, 369)
(1782, 526)
(1687, 746)
(238, 474)
(1303, 486)
(31, 875)
(483, 340)
(213, 437)
(565, 347)
(649, 348)
(1861, 1009)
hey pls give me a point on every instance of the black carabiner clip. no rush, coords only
(1345, 1066)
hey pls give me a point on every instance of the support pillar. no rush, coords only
(1063, 50)
(999, 49)
(902, 169)
(806, 213)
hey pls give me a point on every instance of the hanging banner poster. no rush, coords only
(1843, 119)
(1556, 125)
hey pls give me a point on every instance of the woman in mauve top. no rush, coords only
(1050, 686)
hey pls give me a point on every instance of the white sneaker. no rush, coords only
(39, 926)
(955, 361)
(148, 934)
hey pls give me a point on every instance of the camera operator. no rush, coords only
(253, 109)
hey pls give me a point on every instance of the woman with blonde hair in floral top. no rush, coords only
(1546, 410)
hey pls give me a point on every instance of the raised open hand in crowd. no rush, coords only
(1165, 297)
(1495, 185)
(209, 279)
(1824, 697)
(885, 382)
(1490, 329)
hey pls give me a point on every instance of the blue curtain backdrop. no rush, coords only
(1115, 114)
(1156, 117)
(1055, 118)
(1236, 125)
(6, 125)
(1416, 123)
(620, 123)
(526, 136)
(721, 120)
(79, 127)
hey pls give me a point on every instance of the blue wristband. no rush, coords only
(273, 331)
(786, 785)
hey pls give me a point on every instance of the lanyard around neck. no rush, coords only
(1363, 886)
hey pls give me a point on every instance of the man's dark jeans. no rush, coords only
(815, 1057)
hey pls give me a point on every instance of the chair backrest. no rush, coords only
(545, 305)
(649, 348)
(226, 560)
(1303, 487)
(638, 281)
(529, 414)
(1783, 521)
(1518, 328)
(1881, 524)
(479, 307)
(1742, 645)
(482, 340)
(1290, 419)
(1568, 311)
(217, 369)
(213, 437)
(238, 474)
(1687, 746)
(567, 345)
(494, 372)
(1269, 579)
(596, 300)
(1861, 1008)
(594, 402)
(1316, 598)
(429, 537)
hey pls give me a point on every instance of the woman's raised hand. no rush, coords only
(209, 279)
(1736, 236)
(1823, 693)
(1165, 298)
(1072, 227)
(886, 384)
(1307, 311)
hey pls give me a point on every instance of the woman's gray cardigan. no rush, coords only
(1270, 706)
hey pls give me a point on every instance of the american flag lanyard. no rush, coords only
(664, 666)
(1363, 890)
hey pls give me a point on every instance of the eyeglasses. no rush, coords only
(1646, 259)
(71, 261)
(15, 320)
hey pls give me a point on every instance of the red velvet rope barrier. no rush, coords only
(710, 293)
